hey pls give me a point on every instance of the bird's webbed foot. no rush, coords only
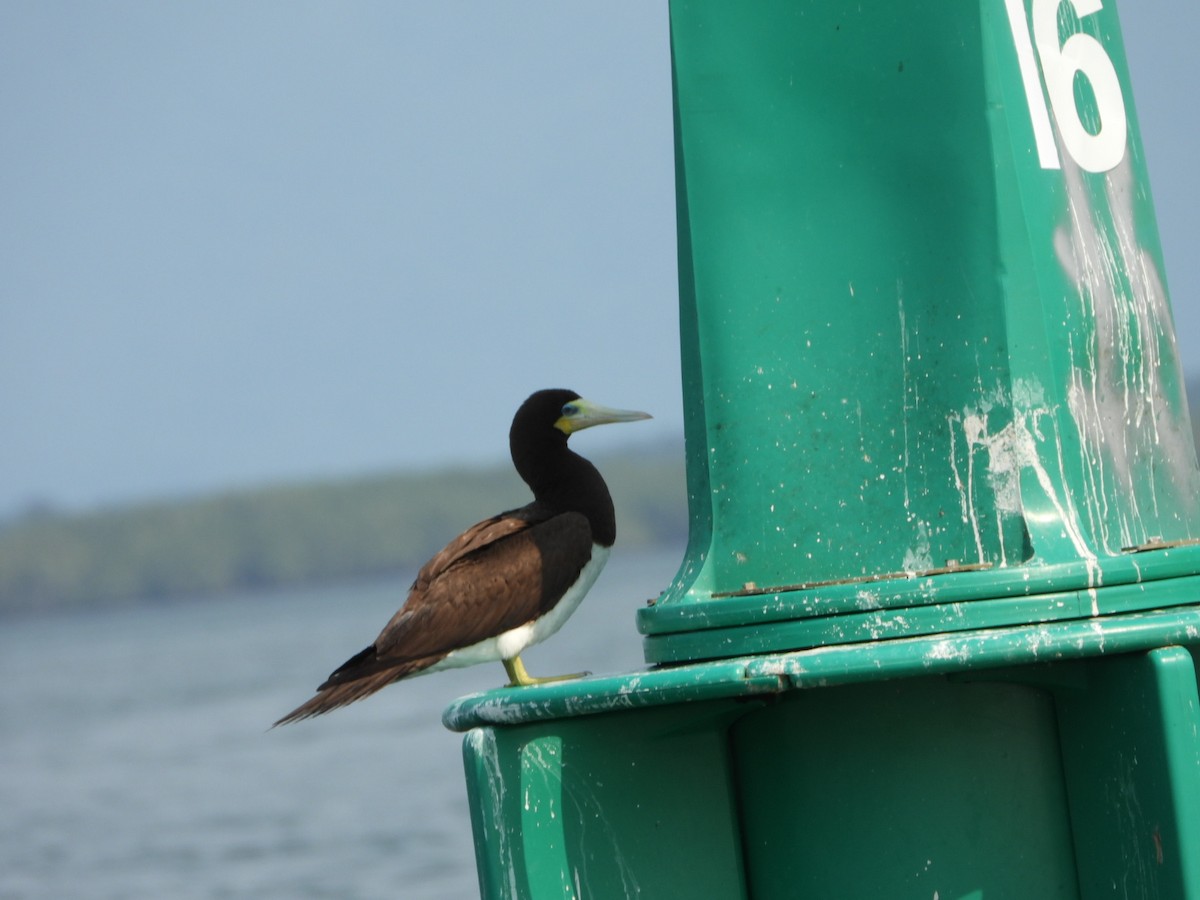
(518, 677)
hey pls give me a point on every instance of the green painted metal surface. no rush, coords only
(749, 677)
(640, 805)
(924, 313)
(1132, 763)
(875, 625)
(934, 633)
(947, 764)
(933, 788)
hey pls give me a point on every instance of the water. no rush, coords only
(136, 760)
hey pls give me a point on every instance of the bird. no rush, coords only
(505, 583)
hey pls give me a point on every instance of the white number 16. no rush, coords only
(1079, 53)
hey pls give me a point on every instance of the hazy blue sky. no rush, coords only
(246, 242)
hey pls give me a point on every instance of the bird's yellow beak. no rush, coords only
(580, 414)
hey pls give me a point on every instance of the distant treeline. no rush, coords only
(297, 534)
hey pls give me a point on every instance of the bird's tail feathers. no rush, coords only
(332, 696)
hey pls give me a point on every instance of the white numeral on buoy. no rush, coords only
(1079, 54)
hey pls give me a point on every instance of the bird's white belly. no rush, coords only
(509, 643)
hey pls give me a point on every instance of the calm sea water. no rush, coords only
(135, 760)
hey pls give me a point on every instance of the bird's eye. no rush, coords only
(570, 409)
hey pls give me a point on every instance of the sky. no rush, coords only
(247, 243)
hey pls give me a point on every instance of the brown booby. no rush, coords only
(507, 582)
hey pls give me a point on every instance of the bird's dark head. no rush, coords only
(560, 413)
(559, 478)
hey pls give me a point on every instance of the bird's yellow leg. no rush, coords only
(517, 676)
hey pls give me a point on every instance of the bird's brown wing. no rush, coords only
(497, 575)
(507, 573)
(476, 538)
